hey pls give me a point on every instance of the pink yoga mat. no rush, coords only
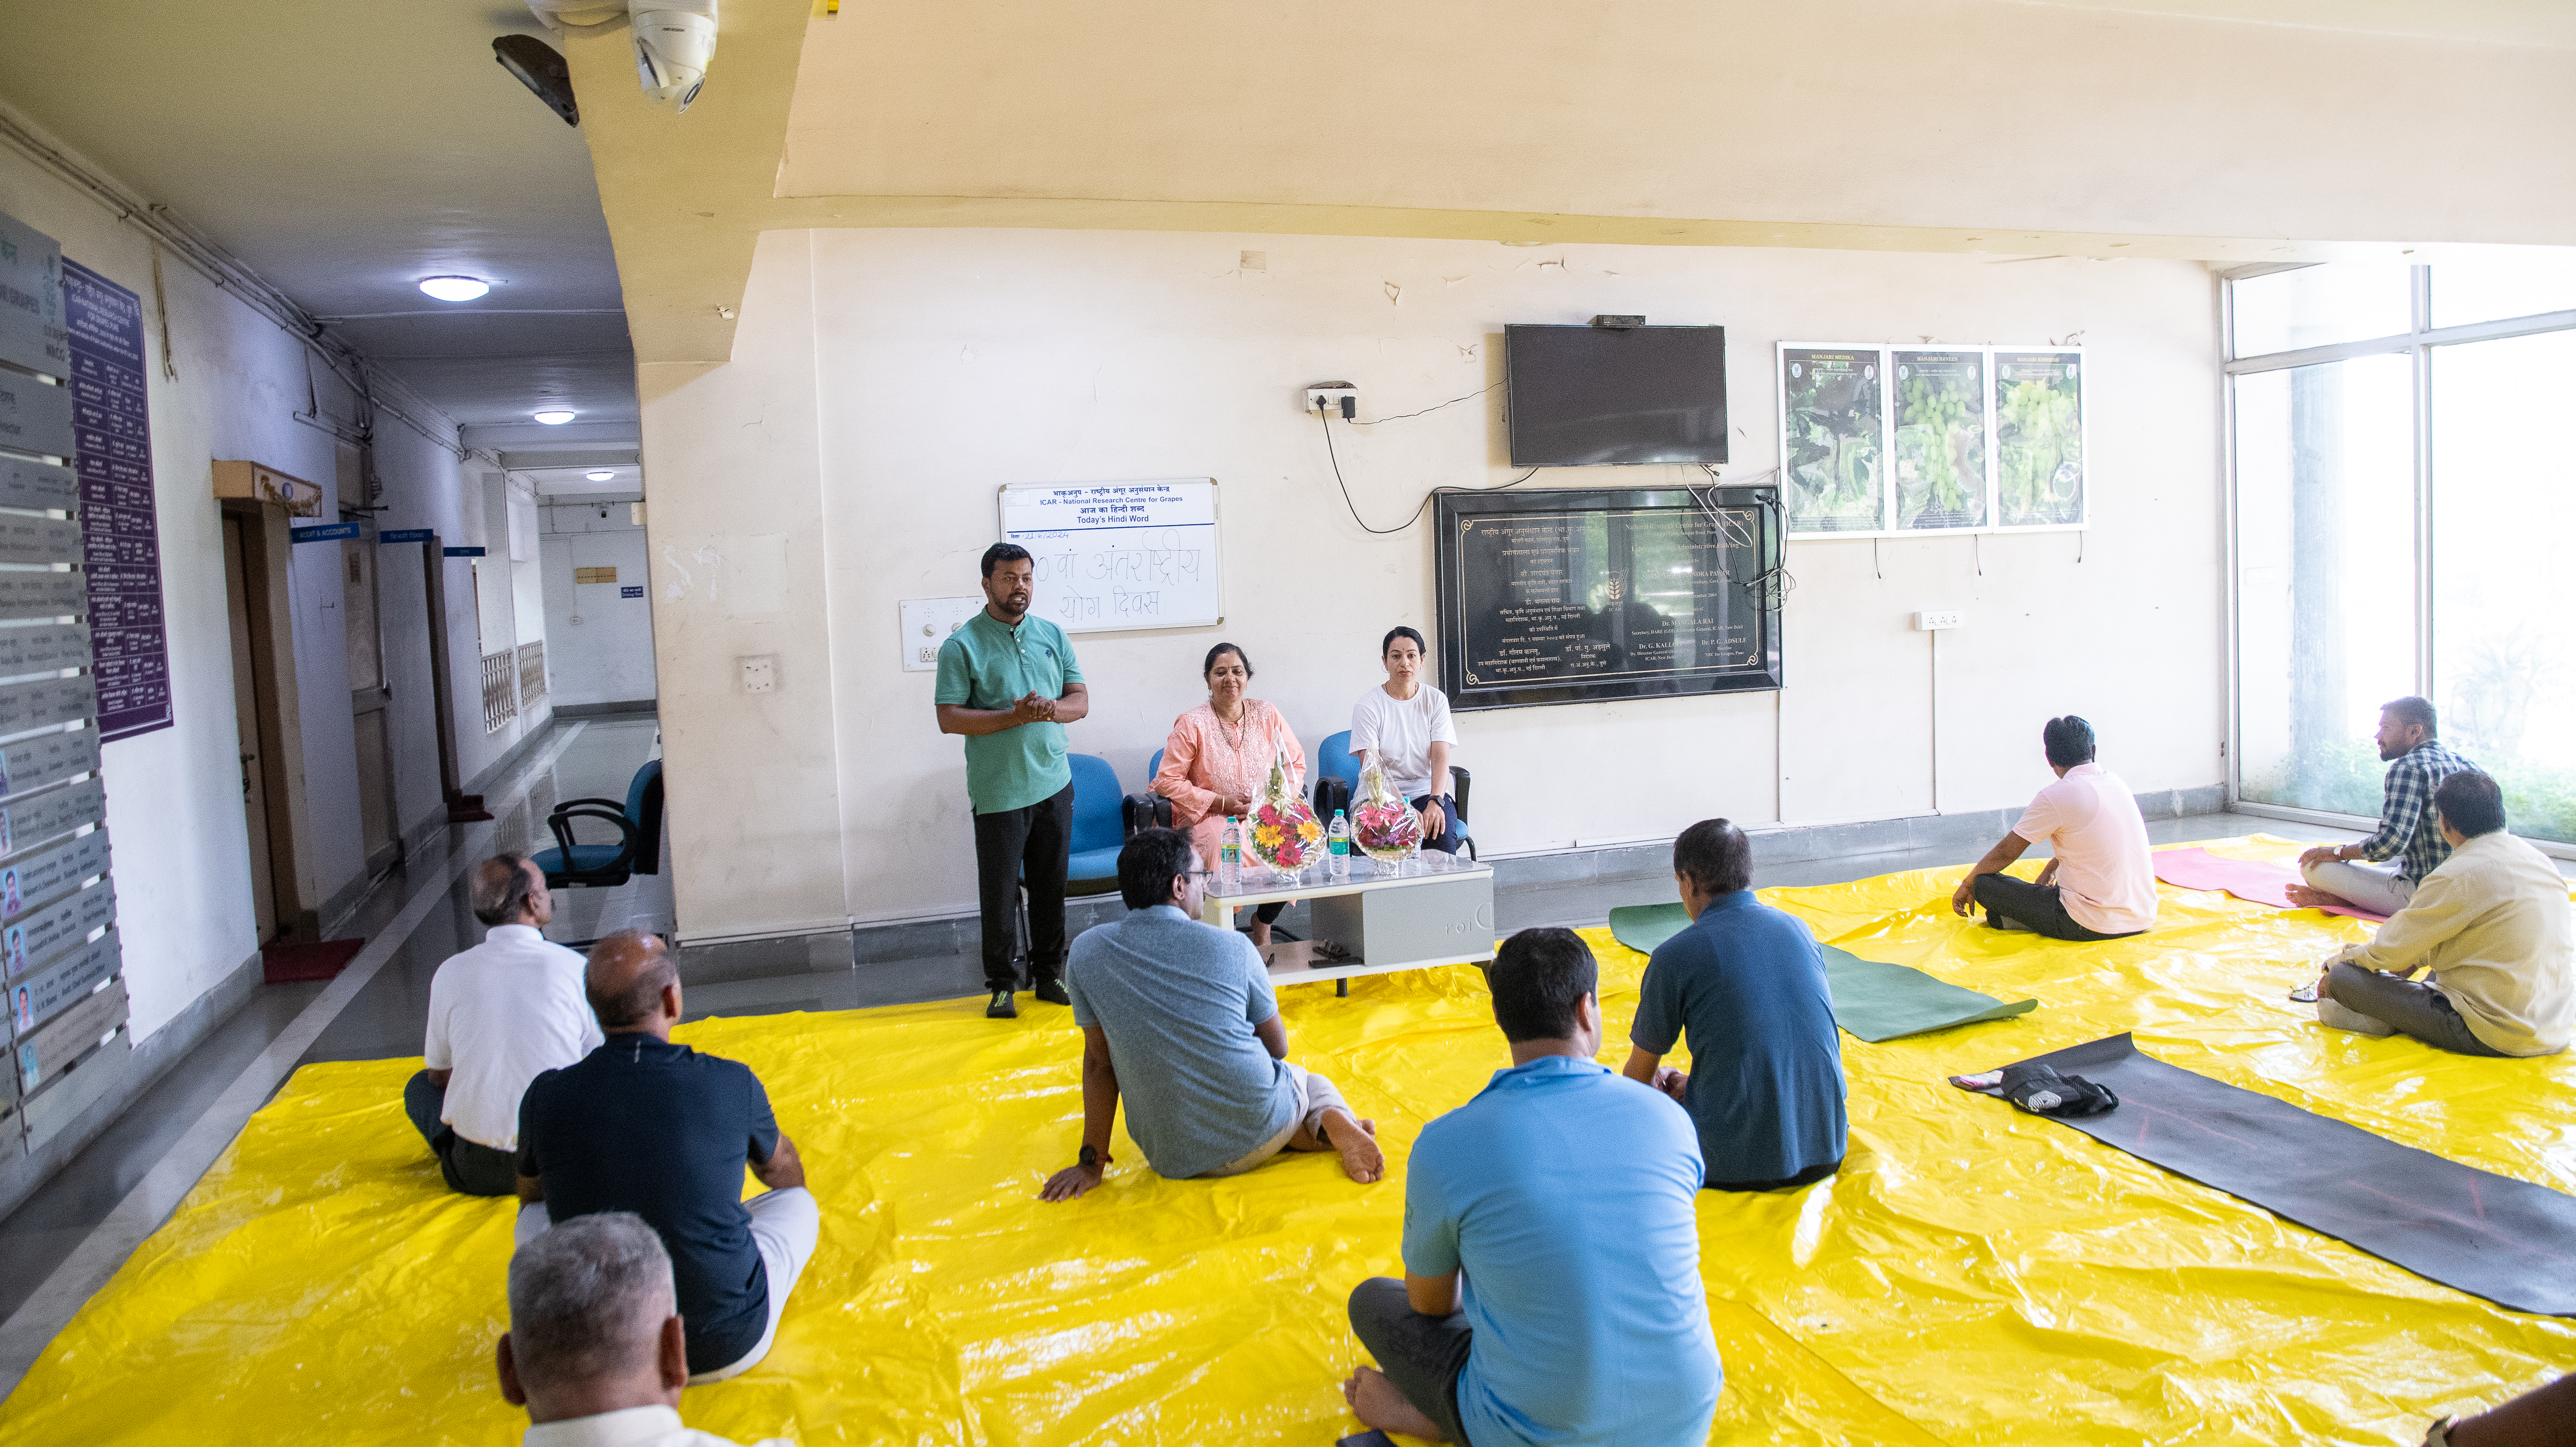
(2248, 879)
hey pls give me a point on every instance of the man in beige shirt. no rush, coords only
(2490, 924)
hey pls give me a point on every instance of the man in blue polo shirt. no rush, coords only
(1551, 1288)
(1747, 984)
(1008, 682)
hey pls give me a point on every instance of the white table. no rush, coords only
(1435, 909)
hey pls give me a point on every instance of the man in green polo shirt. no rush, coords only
(1008, 682)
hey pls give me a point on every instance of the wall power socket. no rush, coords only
(1328, 397)
(1933, 619)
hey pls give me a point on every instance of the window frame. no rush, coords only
(2417, 344)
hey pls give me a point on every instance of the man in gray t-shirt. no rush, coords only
(1178, 1015)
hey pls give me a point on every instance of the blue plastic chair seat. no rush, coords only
(584, 857)
(1092, 864)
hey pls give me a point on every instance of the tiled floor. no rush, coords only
(385, 1017)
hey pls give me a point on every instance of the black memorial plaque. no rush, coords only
(1572, 596)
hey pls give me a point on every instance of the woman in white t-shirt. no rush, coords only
(1405, 722)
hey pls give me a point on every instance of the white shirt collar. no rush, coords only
(628, 1427)
(514, 934)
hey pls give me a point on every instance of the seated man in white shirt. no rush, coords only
(2489, 923)
(499, 1013)
(595, 1349)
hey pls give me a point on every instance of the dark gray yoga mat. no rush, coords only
(2509, 1241)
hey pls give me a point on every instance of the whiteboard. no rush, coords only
(1113, 555)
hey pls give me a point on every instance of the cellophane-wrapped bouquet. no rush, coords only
(1285, 836)
(1382, 823)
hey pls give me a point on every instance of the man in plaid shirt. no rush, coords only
(2417, 763)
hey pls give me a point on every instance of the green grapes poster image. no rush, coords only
(1832, 439)
(1940, 438)
(2039, 438)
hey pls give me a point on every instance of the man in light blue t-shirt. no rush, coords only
(1551, 1290)
(1177, 1015)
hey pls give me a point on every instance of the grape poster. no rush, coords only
(1832, 439)
(1940, 438)
(2039, 438)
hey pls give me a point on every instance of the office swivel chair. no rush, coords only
(639, 826)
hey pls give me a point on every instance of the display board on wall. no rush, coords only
(1880, 440)
(1118, 555)
(1571, 596)
(120, 521)
(61, 959)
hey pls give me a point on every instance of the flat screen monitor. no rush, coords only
(1584, 395)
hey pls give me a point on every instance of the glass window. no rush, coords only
(2504, 505)
(2317, 306)
(2512, 282)
(2325, 483)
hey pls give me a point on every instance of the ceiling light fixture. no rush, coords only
(455, 288)
(600, 476)
(553, 416)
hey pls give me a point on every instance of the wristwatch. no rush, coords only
(1092, 1158)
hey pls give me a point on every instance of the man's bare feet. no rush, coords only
(1377, 1403)
(2307, 898)
(1362, 1161)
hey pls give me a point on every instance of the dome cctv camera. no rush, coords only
(674, 41)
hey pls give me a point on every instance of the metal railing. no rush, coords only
(500, 698)
(532, 673)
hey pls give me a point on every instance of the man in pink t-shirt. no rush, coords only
(2102, 884)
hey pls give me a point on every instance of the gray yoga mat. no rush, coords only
(1873, 1000)
(2509, 1241)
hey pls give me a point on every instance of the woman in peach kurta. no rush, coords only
(1217, 761)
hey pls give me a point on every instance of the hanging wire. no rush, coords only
(1326, 417)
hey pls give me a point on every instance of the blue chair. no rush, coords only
(1337, 778)
(1099, 826)
(639, 826)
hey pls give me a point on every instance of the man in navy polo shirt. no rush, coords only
(1747, 984)
(1551, 1286)
(646, 1126)
(1008, 682)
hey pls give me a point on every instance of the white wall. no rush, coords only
(601, 648)
(943, 364)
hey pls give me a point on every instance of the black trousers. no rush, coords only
(1807, 1177)
(1028, 845)
(1421, 1355)
(2039, 906)
(471, 1168)
(1450, 841)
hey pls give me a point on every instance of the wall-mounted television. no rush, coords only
(1580, 395)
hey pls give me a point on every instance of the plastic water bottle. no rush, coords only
(1339, 839)
(1229, 857)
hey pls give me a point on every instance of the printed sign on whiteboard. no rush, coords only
(1119, 554)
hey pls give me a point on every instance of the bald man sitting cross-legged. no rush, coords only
(647, 1126)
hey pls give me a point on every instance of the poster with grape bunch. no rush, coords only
(1832, 439)
(2039, 439)
(1940, 438)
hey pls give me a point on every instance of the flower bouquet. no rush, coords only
(1284, 833)
(1382, 823)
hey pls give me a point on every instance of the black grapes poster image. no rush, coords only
(2039, 438)
(1940, 439)
(1833, 468)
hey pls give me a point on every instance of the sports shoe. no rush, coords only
(1052, 991)
(1001, 1008)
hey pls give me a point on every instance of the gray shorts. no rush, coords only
(1315, 1095)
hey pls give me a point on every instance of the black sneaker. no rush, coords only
(1001, 1008)
(1052, 991)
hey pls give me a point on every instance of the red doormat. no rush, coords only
(291, 964)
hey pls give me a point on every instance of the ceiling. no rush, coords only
(345, 152)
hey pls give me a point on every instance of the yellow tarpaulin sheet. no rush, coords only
(1972, 1276)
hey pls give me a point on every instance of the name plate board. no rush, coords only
(43, 595)
(37, 999)
(35, 416)
(32, 882)
(32, 328)
(31, 943)
(38, 486)
(43, 648)
(406, 535)
(32, 764)
(70, 1036)
(1568, 596)
(56, 811)
(44, 703)
(39, 540)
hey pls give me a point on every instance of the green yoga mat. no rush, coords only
(1873, 1001)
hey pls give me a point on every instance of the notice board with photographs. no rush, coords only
(1882, 440)
(1575, 595)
